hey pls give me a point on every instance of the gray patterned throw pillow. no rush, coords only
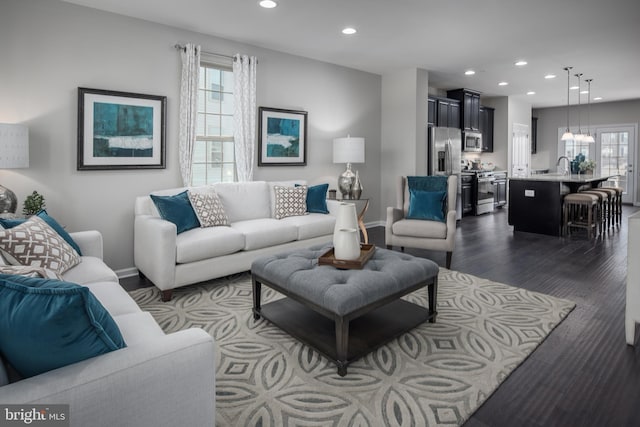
(208, 208)
(36, 244)
(290, 201)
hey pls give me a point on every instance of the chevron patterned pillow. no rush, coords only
(208, 208)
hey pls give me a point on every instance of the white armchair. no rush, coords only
(418, 233)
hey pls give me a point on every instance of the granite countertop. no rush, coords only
(556, 177)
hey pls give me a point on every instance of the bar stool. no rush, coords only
(580, 211)
(611, 205)
(603, 200)
(619, 191)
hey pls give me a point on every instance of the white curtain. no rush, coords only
(244, 115)
(188, 108)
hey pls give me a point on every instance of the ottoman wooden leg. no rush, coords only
(257, 289)
(432, 290)
(342, 344)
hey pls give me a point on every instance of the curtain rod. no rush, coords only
(181, 47)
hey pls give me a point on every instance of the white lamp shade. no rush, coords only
(14, 146)
(567, 136)
(588, 138)
(348, 150)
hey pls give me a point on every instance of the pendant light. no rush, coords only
(567, 135)
(588, 138)
(579, 136)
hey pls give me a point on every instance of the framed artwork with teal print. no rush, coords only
(282, 137)
(120, 130)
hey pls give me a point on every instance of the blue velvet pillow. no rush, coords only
(178, 210)
(10, 223)
(46, 324)
(426, 205)
(317, 198)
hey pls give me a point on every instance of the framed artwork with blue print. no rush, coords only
(120, 130)
(282, 137)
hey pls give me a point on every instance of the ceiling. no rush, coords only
(598, 38)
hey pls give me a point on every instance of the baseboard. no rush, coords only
(127, 272)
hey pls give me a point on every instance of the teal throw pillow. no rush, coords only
(10, 223)
(317, 198)
(427, 205)
(178, 210)
(46, 324)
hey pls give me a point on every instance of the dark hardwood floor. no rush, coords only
(583, 374)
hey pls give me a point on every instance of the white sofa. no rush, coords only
(632, 310)
(170, 260)
(157, 380)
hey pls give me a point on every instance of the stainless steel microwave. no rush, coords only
(472, 141)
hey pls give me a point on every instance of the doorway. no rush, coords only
(615, 147)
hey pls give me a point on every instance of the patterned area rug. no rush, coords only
(438, 374)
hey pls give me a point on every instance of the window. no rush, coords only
(213, 153)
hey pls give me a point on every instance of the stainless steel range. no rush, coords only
(484, 196)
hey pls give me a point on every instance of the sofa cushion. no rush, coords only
(244, 200)
(312, 225)
(208, 208)
(46, 324)
(137, 328)
(35, 243)
(420, 228)
(90, 269)
(10, 223)
(205, 243)
(264, 232)
(426, 205)
(317, 199)
(178, 210)
(272, 193)
(290, 201)
(29, 271)
(114, 298)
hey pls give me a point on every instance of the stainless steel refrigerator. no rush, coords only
(444, 155)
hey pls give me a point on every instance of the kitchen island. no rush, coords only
(535, 201)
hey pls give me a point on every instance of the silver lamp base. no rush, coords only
(345, 182)
(8, 201)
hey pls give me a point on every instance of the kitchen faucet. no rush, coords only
(567, 170)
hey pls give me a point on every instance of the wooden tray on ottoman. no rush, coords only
(329, 258)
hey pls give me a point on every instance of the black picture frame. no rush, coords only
(282, 137)
(121, 130)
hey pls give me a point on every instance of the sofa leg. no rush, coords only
(402, 248)
(449, 255)
(141, 275)
(166, 295)
(389, 247)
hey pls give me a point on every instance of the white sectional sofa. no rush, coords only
(170, 260)
(157, 380)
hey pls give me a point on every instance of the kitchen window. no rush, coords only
(213, 154)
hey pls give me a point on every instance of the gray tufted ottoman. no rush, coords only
(344, 314)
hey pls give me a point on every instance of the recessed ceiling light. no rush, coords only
(349, 30)
(531, 92)
(584, 92)
(550, 76)
(597, 98)
(469, 73)
(521, 63)
(503, 84)
(574, 88)
(268, 4)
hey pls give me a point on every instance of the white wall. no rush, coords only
(404, 130)
(48, 49)
(602, 114)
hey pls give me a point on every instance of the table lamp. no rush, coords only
(347, 150)
(14, 154)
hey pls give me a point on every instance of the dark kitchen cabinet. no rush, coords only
(431, 111)
(500, 190)
(443, 112)
(469, 106)
(467, 194)
(534, 135)
(486, 128)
